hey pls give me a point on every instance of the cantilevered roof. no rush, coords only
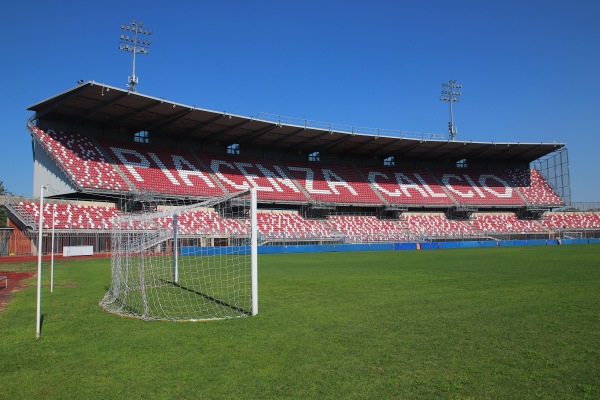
(96, 104)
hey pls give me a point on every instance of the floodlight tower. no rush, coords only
(136, 43)
(451, 96)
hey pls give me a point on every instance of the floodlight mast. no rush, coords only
(138, 43)
(451, 96)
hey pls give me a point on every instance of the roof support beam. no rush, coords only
(509, 147)
(197, 127)
(383, 146)
(286, 137)
(408, 149)
(336, 143)
(100, 107)
(136, 111)
(257, 134)
(451, 149)
(475, 154)
(235, 126)
(169, 120)
(353, 149)
(54, 106)
(524, 154)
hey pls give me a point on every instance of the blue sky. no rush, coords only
(529, 69)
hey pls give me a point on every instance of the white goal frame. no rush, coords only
(190, 262)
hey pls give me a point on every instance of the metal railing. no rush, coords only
(24, 243)
(583, 206)
(351, 129)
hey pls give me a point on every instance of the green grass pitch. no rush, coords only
(498, 323)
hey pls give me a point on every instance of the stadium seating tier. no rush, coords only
(407, 186)
(569, 220)
(237, 173)
(505, 222)
(81, 160)
(341, 184)
(482, 188)
(367, 228)
(533, 187)
(432, 225)
(150, 168)
(158, 170)
(292, 226)
(69, 216)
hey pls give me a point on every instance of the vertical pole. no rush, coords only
(133, 82)
(38, 320)
(52, 255)
(254, 250)
(175, 251)
(451, 118)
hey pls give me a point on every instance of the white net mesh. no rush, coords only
(190, 262)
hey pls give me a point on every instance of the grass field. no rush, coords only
(498, 323)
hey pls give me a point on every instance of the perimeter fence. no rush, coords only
(15, 242)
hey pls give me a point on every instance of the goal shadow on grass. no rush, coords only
(209, 298)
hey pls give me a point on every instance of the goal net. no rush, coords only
(189, 262)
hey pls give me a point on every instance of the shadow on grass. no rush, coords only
(210, 298)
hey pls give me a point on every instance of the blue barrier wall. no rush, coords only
(381, 246)
(523, 242)
(328, 248)
(429, 245)
(534, 242)
(572, 241)
(212, 251)
(324, 248)
(270, 249)
(448, 245)
(468, 244)
(405, 246)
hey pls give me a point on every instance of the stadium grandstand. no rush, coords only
(104, 151)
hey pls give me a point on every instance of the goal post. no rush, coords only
(186, 262)
(254, 249)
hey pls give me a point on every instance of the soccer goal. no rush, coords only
(189, 262)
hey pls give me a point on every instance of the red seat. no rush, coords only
(167, 171)
(435, 225)
(504, 222)
(333, 183)
(534, 187)
(238, 173)
(80, 160)
(367, 228)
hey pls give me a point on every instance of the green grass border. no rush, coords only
(495, 323)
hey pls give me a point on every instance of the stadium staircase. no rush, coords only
(18, 213)
(372, 186)
(111, 160)
(298, 185)
(206, 168)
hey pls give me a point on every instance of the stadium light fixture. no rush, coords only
(451, 95)
(138, 43)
